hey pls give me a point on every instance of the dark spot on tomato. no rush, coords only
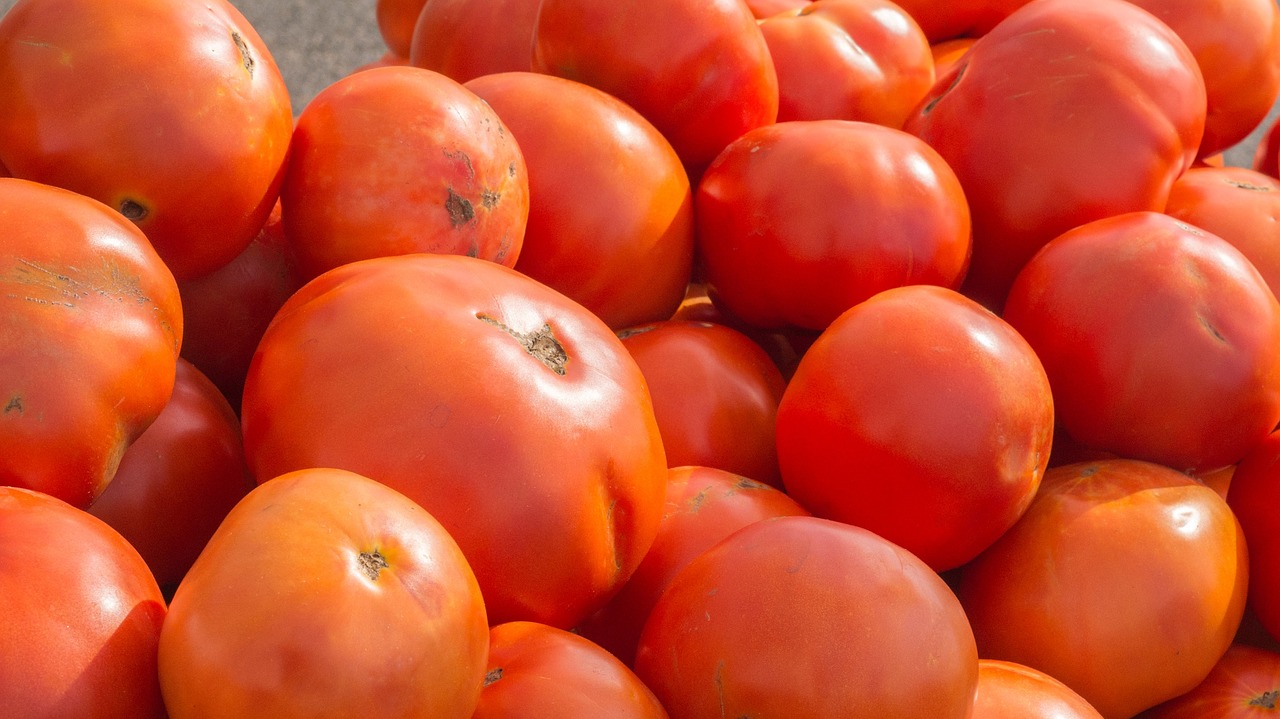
(246, 58)
(460, 209)
(371, 564)
(133, 210)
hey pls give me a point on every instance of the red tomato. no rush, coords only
(1245, 684)
(947, 54)
(537, 671)
(610, 208)
(170, 111)
(762, 9)
(1266, 157)
(386, 59)
(466, 39)
(704, 505)
(1007, 690)
(784, 345)
(1125, 580)
(89, 334)
(921, 416)
(179, 479)
(1253, 495)
(82, 615)
(947, 19)
(798, 617)
(325, 593)
(1161, 342)
(699, 70)
(396, 20)
(1069, 111)
(396, 160)
(848, 60)
(511, 413)
(777, 248)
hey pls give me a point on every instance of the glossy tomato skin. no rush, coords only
(610, 206)
(699, 70)
(325, 594)
(1266, 158)
(1161, 341)
(188, 138)
(1008, 690)
(704, 505)
(1254, 490)
(82, 615)
(848, 60)
(762, 9)
(801, 617)
(947, 54)
(1124, 580)
(1244, 684)
(778, 249)
(947, 19)
(921, 416)
(466, 39)
(541, 672)
(1031, 169)
(397, 160)
(507, 410)
(179, 479)
(396, 20)
(86, 297)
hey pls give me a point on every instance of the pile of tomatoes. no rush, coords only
(688, 358)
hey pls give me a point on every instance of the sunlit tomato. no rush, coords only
(1267, 155)
(798, 617)
(1245, 684)
(715, 395)
(1239, 205)
(89, 336)
(947, 19)
(762, 9)
(466, 39)
(610, 207)
(1161, 342)
(541, 672)
(704, 505)
(947, 54)
(1219, 480)
(784, 345)
(1069, 111)
(921, 416)
(508, 411)
(170, 111)
(82, 615)
(179, 479)
(699, 70)
(396, 20)
(396, 160)
(1007, 690)
(1124, 580)
(1253, 496)
(848, 60)
(778, 248)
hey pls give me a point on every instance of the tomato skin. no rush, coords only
(82, 616)
(947, 53)
(762, 9)
(699, 70)
(947, 19)
(538, 671)
(325, 594)
(1124, 580)
(802, 617)
(396, 160)
(1031, 172)
(396, 20)
(84, 296)
(1254, 490)
(551, 483)
(1102, 305)
(1007, 690)
(777, 249)
(921, 416)
(1244, 684)
(189, 136)
(1266, 158)
(610, 206)
(466, 39)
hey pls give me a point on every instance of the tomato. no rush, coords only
(715, 395)
(947, 54)
(699, 70)
(848, 60)
(170, 111)
(466, 39)
(89, 338)
(800, 617)
(762, 9)
(1069, 111)
(1007, 690)
(1161, 342)
(540, 671)
(1253, 493)
(947, 19)
(610, 207)
(396, 20)
(1266, 158)
(704, 505)
(508, 411)
(82, 615)
(784, 345)
(921, 416)
(397, 160)
(179, 479)
(1243, 685)
(325, 593)
(778, 249)
(1125, 580)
